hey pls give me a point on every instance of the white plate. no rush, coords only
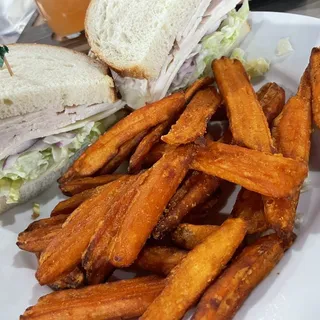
(291, 290)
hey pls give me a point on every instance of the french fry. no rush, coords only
(196, 86)
(315, 84)
(74, 280)
(222, 300)
(272, 99)
(116, 300)
(242, 105)
(291, 133)
(156, 153)
(106, 147)
(159, 260)
(94, 260)
(146, 145)
(40, 233)
(76, 186)
(192, 124)
(64, 252)
(191, 277)
(187, 236)
(270, 175)
(195, 190)
(148, 204)
(249, 207)
(69, 205)
(123, 153)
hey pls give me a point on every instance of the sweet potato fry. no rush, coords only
(148, 204)
(115, 300)
(106, 147)
(272, 98)
(196, 86)
(192, 124)
(291, 133)
(146, 145)
(94, 260)
(191, 277)
(64, 252)
(156, 153)
(222, 300)
(195, 190)
(74, 280)
(39, 234)
(187, 236)
(159, 260)
(270, 175)
(315, 84)
(123, 153)
(69, 205)
(249, 207)
(242, 105)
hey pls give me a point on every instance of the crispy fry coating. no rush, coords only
(64, 252)
(191, 277)
(291, 133)
(39, 233)
(194, 191)
(115, 300)
(249, 207)
(156, 153)
(146, 145)
(272, 99)
(270, 175)
(106, 147)
(187, 236)
(74, 280)
(242, 105)
(196, 86)
(70, 188)
(148, 204)
(192, 124)
(315, 84)
(159, 260)
(222, 300)
(123, 153)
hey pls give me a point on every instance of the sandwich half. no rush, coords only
(157, 47)
(56, 104)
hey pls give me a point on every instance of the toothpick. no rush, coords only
(8, 66)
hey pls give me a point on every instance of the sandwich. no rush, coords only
(57, 103)
(157, 47)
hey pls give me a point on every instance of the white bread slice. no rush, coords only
(51, 77)
(135, 37)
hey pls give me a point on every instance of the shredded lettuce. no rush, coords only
(36, 160)
(255, 68)
(284, 47)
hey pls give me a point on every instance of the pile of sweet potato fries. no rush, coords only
(141, 220)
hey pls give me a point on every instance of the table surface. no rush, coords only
(305, 7)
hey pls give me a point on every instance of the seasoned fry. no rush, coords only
(123, 153)
(195, 190)
(192, 124)
(196, 86)
(291, 133)
(106, 147)
(148, 204)
(249, 207)
(69, 205)
(270, 175)
(190, 278)
(159, 260)
(94, 260)
(64, 252)
(76, 186)
(315, 84)
(272, 99)
(242, 105)
(115, 300)
(156, 153)
(39, 233)
(74, 280)
(146, 145)
(222, 300)
(187, 236)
